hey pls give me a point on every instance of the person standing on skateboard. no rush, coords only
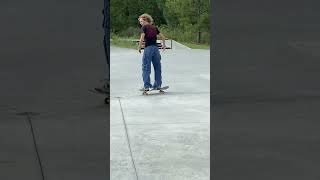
(151, 52)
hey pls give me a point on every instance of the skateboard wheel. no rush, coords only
(106, 100)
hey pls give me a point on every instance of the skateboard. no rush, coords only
(161, 90)
(106, 100)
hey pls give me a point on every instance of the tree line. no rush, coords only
(184, 20)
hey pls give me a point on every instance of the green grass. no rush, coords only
(123, 43)
(196, 46)
(126, 42)
(185, 36)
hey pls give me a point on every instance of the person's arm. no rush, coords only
(163, 46)
(141, 41)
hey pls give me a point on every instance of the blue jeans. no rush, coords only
(107, 55)
(106, 37)
(151, 54)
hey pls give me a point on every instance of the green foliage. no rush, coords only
(188, 35)
(182, 20)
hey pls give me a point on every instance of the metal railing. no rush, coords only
(136, 41)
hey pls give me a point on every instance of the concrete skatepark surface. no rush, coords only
(160, 136)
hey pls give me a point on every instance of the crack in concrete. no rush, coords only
(128, 139)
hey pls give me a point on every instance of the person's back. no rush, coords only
(151, 33)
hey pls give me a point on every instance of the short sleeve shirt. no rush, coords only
(151, 33)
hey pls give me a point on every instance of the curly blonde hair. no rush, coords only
(146, 17)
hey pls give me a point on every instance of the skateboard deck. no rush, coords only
(161, 90)
(106, 100)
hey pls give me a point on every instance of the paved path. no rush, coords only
(160, 136)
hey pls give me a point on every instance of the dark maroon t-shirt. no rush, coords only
(151, 33)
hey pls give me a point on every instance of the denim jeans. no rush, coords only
(107, 55)
(106, 38)
(151, 55)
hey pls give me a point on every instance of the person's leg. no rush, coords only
(106, 41)
(156, 61)
(107, 68)
(146, 67)
(105, 88)
(106, 80)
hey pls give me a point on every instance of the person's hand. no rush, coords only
(139, 49)
(163, 47)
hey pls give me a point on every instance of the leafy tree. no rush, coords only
(188, 16)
